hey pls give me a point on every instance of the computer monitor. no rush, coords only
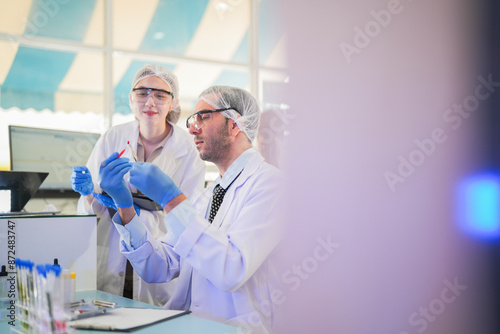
(52, 151)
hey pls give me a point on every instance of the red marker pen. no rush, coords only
(119, 155)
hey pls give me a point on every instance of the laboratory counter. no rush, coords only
(183, 324)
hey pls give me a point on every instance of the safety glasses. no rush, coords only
(201, 117)
(159, 96)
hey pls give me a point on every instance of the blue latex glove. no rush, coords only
(111, 180)
(152, 182)
(108, 201)
(81, 180)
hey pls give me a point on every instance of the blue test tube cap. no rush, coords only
(30, 265)
(21, 263)
(41, 270)
(56, 270)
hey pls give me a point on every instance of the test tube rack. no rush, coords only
(40, 299)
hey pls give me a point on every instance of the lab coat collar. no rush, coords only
(254, 162)
(134, 138)
(235, 169)
(175, 144)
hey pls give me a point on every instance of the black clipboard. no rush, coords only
(143, 201)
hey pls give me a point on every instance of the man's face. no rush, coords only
(212, 140)
(150, 111)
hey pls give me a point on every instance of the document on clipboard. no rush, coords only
(126, 319)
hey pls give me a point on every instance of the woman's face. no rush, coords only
(151, 106)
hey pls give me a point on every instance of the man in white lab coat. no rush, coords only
(221, 259)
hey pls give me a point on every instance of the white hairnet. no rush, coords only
(170, 79)
(244, 107)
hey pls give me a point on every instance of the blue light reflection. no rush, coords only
(478, 205)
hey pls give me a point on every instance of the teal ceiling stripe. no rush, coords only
(25, 100)
(271, 28)
(34, 77)
(123, 87)
(66, 20)
(270, 32)
(171, 29)
(233, 78)
(173, 26)
(242, 54)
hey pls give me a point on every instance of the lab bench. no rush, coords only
(183, 324)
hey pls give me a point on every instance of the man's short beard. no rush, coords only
(218, 148)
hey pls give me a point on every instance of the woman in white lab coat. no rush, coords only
(156, 139)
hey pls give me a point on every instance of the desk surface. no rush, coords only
(39, 214)
(183, 324)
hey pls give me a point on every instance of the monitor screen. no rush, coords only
(52, 151)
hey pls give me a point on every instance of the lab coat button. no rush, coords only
(121, 273)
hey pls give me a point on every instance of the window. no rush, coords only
(67, 64)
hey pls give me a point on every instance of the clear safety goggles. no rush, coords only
(159, 96)
(199, 118)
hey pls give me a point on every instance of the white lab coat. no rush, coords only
(224, 269)
(180, 160)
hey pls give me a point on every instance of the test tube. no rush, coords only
(69, 283)
(4, 291)
(72, 286)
